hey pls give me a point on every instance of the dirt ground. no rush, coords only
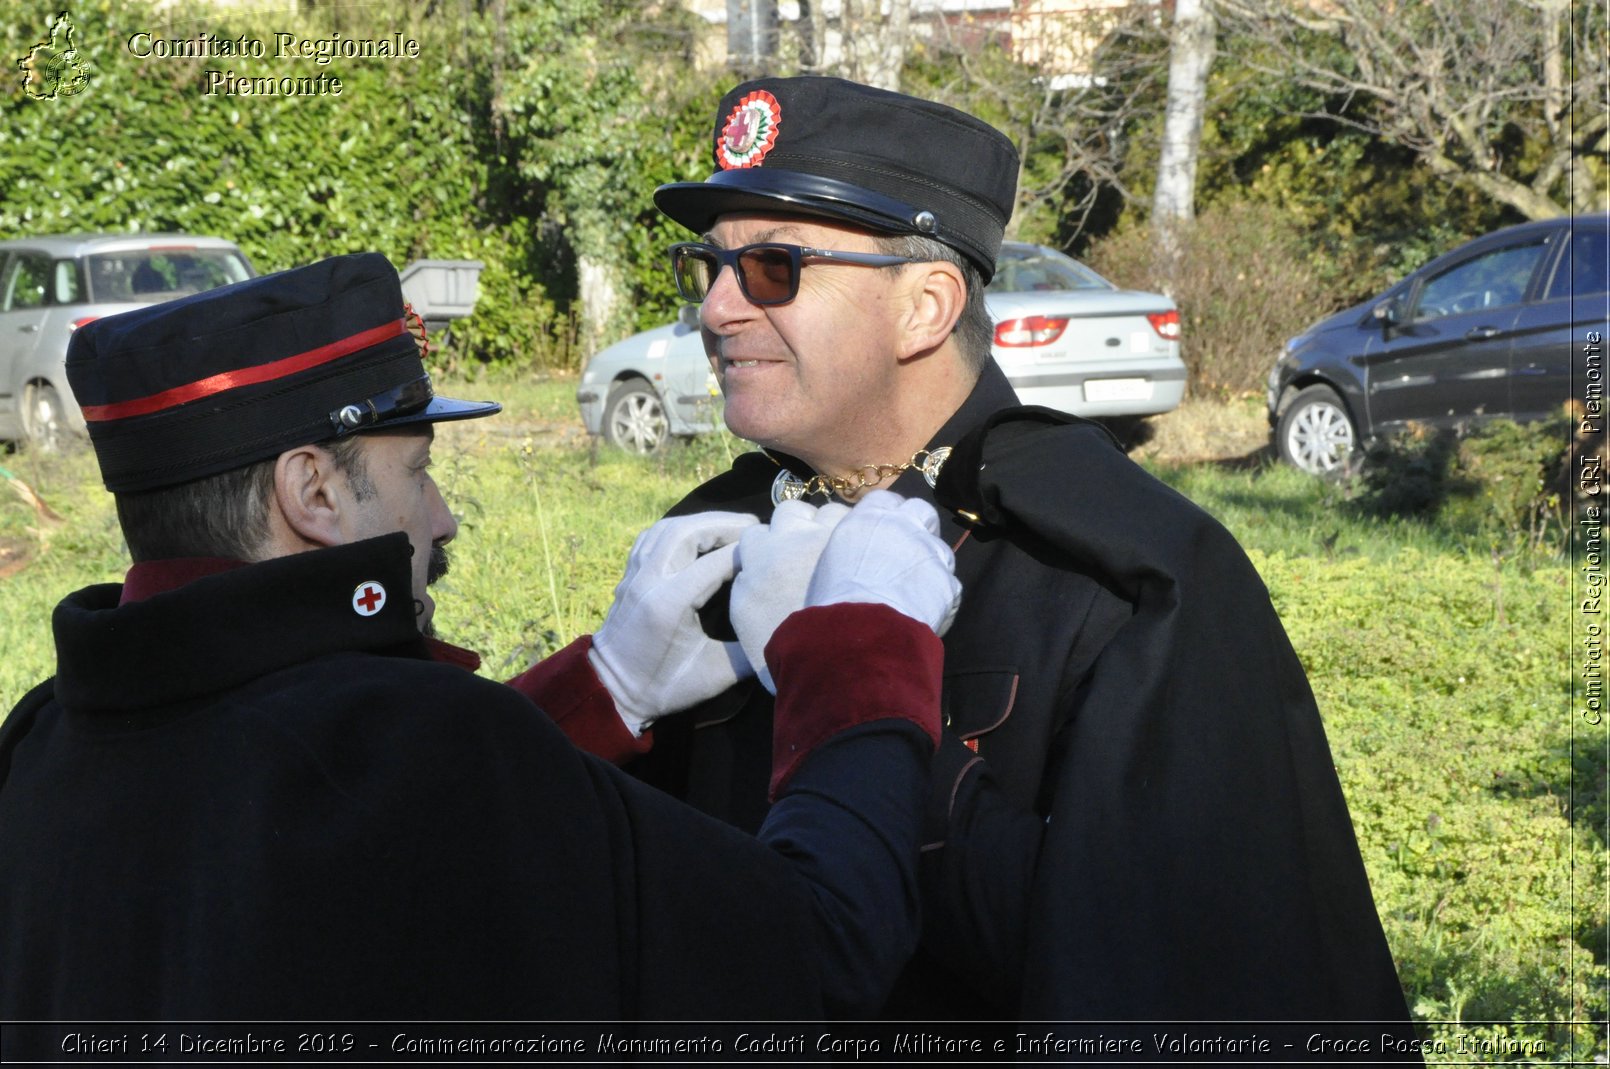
(1204, 430)
(1233, 432)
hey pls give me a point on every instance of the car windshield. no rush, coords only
(1037, 270)
(147, 274)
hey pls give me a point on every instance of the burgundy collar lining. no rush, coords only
(149, 578)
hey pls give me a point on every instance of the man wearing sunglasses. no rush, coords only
(257, 790)
(1135, 814)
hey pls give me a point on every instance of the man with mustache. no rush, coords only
(257, 789)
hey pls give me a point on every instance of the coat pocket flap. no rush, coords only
(976, 701)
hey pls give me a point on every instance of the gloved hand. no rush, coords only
(888, 551)
(775, 562)
(651, 653)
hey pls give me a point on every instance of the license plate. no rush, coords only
(1118, 390)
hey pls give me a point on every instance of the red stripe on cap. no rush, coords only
(277, 369)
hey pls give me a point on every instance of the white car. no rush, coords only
(1066, 338)
(54, 284)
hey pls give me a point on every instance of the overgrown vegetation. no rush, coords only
(1245, 284)
(1505, 481)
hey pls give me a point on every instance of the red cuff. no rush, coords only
(565, 686)
(840, 666)
(447, 653)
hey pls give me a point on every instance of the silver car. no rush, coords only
(50, 286)
(1066, 338)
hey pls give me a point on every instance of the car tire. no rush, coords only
(1315, 434)
(635, 418)
(44, 420)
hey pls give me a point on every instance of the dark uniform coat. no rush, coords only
(242, 799)
(1135, 814)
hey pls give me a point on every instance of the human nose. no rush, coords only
(724, 303)
(444, 525)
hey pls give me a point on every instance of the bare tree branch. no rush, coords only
(1067, 126)
(1488, 93)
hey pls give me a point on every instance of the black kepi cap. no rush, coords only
(212, 382)
(839, 150)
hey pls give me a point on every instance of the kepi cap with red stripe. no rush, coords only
(212, 382)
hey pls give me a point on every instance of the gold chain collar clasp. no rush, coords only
(790, 487)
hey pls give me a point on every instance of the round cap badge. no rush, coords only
(368, 598)
(749, 132)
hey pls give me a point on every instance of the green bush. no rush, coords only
(1406, 475)
(1501, 480)
(601, 104)
(389, 165)
(515, 326)
(495, 144)
(1244, 286)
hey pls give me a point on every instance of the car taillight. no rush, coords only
(1030, 330)
(75, 324)
(1167, 324)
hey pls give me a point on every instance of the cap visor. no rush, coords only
(696, 205)
(444, 409)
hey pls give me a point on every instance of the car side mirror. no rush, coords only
(688, 316)
(1387, 313)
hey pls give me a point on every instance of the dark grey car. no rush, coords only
(1490, 329)
(52, 285)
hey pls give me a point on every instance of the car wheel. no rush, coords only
(44, 421)
(1315, 433)
(635, 419)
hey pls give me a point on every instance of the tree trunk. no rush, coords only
(600, 299)
(885, 66)
(1174, 202)
(874, 44)
(810, 26)
(751, 37)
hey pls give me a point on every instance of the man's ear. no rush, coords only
(308, 495)
(937, 295)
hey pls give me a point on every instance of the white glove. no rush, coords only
(651, 653)
(888, 552)
(775, 562)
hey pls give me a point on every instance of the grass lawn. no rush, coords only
(1441, 660)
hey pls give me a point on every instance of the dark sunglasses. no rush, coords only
(767, 273)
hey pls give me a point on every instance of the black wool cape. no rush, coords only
(1135, 816)
(243, 800)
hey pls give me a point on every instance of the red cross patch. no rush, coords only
(368, 598)
(749, 132)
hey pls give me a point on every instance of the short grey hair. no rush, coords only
(974, 332)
